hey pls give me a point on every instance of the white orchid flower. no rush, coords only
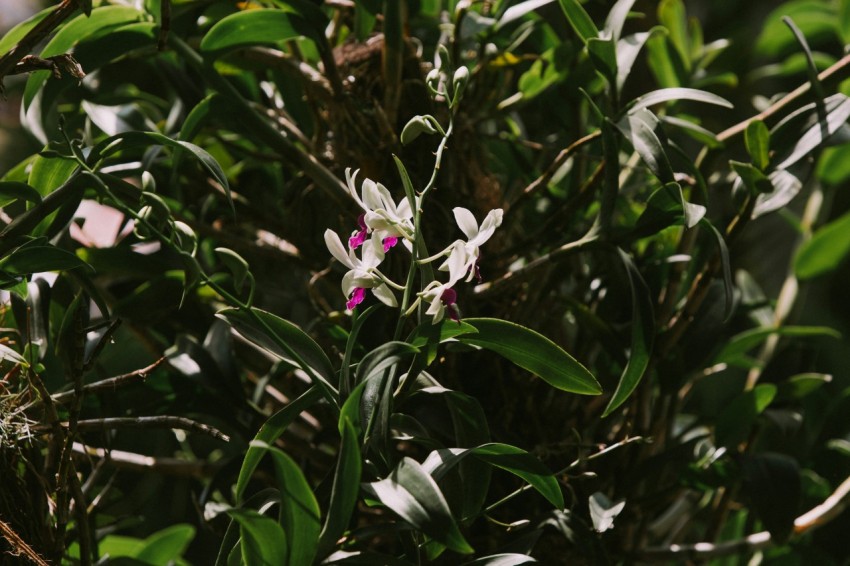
(381, 213)
(463, 256)
(363, 273)
(441, 299)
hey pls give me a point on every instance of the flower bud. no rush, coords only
(418, 125)
(185, 237)
(459, 81)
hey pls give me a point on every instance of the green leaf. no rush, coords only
(757, 141)
(643, 335)
(665, 207)
(33, 259)
(234, 263)
(127, 140)
(773, 484)
(504, 456)
(256, 27)
(801, 385)
(345, 490)
(49, 173)
(603, 54)
(671, 14)
(502, 560)
(263, 541)
(825, 251)
(734, 423)
(17, 33)
(836, 117)
(271, 431)
(693, 129)
(413, 495)
(579, 20)
(752, 177)
(81, 29)
(785, 185)
(428, 336)
(664, 61)
(533, 352)
(286, 341)
(167, 545)
(616, 19)
(11, 191)
(639, 127)
(627, 51)
(519, 11)
(345, 382)
(817, 21)
(725, 267)
(299, 510)
(736, 348)
(679, 93)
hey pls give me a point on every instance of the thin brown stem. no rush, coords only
(160, 421)
(19, 546)
(112, 383)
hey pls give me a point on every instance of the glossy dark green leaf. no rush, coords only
(382, 358)
(664, 61)
(299, 510)
(670, 94)
(735, 422)
(11, 191)
(639, 127)
(345, 491)
(503, 456)
(413, 495)
(33, 259)
(533, 352)
(579, 20)
(273, 428)
(837, 115)
(627, 51)
(643, 335)
(286, 341)
(773, 485)
(255, 27)
(263, 541)
(665, 207)
(146, 139)
(757, 141)
(752, 177)
(603, 54)
(345, 382)
(825, 251)
(785, 184)
(429, 336)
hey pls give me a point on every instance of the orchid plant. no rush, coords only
(384, 222)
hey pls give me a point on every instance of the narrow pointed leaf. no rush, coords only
(579, 20)
(533, 352)
(263, 541)
(285, 340)
(678, 93)
(643, 335)
(413, 495)
(825, 251)
(345, 490)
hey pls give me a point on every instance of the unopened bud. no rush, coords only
(418, 125)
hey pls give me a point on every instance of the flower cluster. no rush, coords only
(381, 226)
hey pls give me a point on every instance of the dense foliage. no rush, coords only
(590, 257)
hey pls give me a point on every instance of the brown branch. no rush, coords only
(19, 547)
(55, 64)
(836, 70)
(111, 383)
(559, 161)
(164, 421)
(141, 463)
(834, 505)
(35, 36)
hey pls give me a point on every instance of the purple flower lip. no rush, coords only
(389, 242)
(357, 297)
(449, 298)
(359, 237)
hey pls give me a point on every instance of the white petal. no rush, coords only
(371, 195)
(466, 222)
(337, 250)
(373, 251)
(351, 181)
(491, 222)
(385, 295)
(458, 263)
(348, 284)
